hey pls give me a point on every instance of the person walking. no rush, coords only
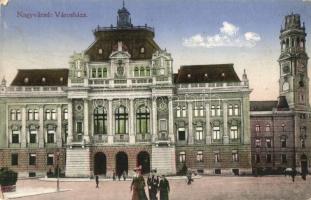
(124, 175)
(189, 177)
(97, 180)
(138, 186)
(149, 184)
(114, 175)
(164, 188)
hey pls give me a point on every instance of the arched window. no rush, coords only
(104, 72)
(147, 71)
(100, 121)
(136, 72)
(142, 71)
(99, 72)
(121, 120)
(47, 114)
(142, 120)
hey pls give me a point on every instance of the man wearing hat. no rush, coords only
(164, 188)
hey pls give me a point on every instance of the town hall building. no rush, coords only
(119, 105)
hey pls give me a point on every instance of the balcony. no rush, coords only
(143, 137)
(121, 138)
(100, 138)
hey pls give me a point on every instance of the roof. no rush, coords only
(262, 105)
(206, 74)
(41, 77)
(281, 105)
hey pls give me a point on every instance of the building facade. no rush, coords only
(119, 105)
(281, 129)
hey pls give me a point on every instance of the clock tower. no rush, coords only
(294, 81)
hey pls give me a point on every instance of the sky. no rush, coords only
(242, 32)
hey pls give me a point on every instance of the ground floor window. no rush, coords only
(235, 157)
(14, 159)
(217, 157)
(200, 156)
(32, 159)
(182, 157)
(50, 159)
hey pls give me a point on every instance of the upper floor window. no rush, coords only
(283, 142)
(33, 134)
(105, 72)
(268, 128)
(142, 50)
(15, 114)
(235, 157)
(213, 110)
(257, 128)
(142, 71)
(234, 132)
(142, 120)
(51, 134)
(217, 157)
(32, 159)
(181, 134)
(269, 143)
(15, 136)
(99, 72)
(100, 51)
(100, 120)
(199, 133)
(257, 142)
(198, 111)
(216, 133)
(147, 71)
(50, 114)
(65, 112)
(50, 159)
(30, 114)
(121, 120)
(284, 158)
(236, 109)
(136, 72)
(93, 72)
(230, 110)
(283, 127)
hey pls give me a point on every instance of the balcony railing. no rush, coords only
(100, 138)
(114, 28)
(121, 138)
(143, 137)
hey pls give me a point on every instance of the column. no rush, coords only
(225, 119)
(190, 125)
(70, 123)
(109, 121)
(41, 127)
(86, 136)
(23, 131)
(208, 124)
(131, 121)
(170, 120)
(59, 127)
(154, 119)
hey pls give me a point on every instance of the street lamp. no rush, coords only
(57, 167)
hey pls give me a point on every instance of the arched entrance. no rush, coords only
(121, 163)
(100, 163)
(143, 160)
(304, 164)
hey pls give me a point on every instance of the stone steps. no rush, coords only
(78, 162)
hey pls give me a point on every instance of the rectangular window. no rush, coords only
(50, 136)
(196, 111)
(268, 158)
(257, 128)
(283, 142)
(182, 157)
(50, 159)
(218, 110)
(53, 114)
(303, 143)
(269, 143)
(14, 159)
(257, 143)
(184, 111)
(36, 114)
(181, 134)
(230, 110)
(65, 114)
(15, 137)
(32, 159)
(236, 109)
(235, 157)
(216, 133)
(199, 133)
(267, 128)
(79, 127)
(201, 111)
(213, 111)
(234, 132)
(178, 112)
(200, 156)
(284, 158)
(30, 114)
(32, 136)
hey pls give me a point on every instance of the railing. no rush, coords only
(114, 28)
(33, 89)
(100, 138)
(143, 137)
(209, 85)
(121, 138)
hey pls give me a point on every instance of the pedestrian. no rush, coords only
(124, 175)
(119, 175)
(154, 187)
(293, 174)
(164, 188)
(138, 186)
(149, 184)
(114, 175)
(97, 181)
(189, 177)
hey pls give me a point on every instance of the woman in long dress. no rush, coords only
(138, 186)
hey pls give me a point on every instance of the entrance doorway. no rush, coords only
(121, 163)
(304, 164)
(100, 164)
(143, 160)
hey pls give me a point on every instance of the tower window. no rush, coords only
(142, 50)
(100, 51)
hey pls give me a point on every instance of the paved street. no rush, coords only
(205, 188)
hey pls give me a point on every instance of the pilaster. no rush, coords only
(190, 123)
(208, 124)
(86, 136)
(170, 120)
(154, 118)
(225, 119)
(109, 120)
(59, 127)
(70, 122)
(23, 131)
(41, 127)
(131, 122)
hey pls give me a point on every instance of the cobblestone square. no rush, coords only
(205, 188)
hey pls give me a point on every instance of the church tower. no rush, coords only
(294, 80)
